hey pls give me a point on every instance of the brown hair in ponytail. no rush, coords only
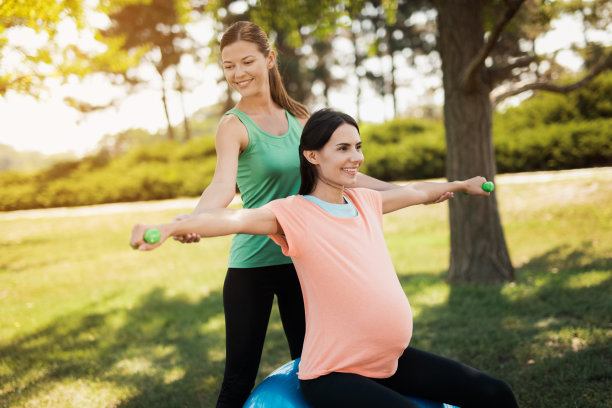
(251, 32)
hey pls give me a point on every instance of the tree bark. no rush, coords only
(358, 75)
(170, 133)
(393, 83)
(181, 90)
(478, 248)
(393, 86)
(228, 102)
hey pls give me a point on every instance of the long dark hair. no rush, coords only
(251, 32)
(317, 132)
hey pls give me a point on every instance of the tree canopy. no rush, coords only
(27, 31)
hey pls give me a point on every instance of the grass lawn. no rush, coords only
(87, 322)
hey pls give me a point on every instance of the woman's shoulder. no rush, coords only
(287, 202)
(289, 211)
(231, 130)
(361, 196)
(231, 124)
(294, 206)
(229, 120)
(361, 192)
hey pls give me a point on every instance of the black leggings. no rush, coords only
(248, 295)
(419, 374)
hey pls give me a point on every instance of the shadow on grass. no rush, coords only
(160, 353)
(570, 258)
(549, 335)
(163, 352)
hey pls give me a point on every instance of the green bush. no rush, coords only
(589, 103)
(409, 149)
(203, 147)
(158, 171)
(404, 149)
(554, 147)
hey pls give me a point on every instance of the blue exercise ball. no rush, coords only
(281, 389)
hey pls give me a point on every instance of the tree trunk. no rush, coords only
(228, 101)
(170, 133)
(393, 86)
(478, 247)
(181, 90)
(185, 122)
(358, 75)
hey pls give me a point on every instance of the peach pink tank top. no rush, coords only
(358, 319)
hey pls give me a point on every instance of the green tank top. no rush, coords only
(269, 168)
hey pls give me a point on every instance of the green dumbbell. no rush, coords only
(152, 235)
(487, 186)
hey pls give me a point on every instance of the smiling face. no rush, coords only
(339, 160)
(246, 68)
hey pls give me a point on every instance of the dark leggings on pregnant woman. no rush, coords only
(419, 374)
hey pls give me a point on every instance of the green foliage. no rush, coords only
(555, 131)
(588, 103)
(27, 67)
(404, 149)
(151, 172)
(554, 147)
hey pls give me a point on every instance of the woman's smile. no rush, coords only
(351, 170)
(243, 84)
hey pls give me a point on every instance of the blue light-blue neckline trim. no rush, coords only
(346, 210)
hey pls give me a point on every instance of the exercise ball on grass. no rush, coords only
(281, 389)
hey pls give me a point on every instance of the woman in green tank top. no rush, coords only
(257, 149)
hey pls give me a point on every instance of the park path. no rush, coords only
(186, 204)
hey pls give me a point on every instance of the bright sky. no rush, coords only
(49, 126)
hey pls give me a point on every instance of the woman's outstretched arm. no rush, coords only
(211, 223)
(365, 181)
(372, 183)
(422, 193)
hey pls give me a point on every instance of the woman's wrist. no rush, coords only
(459, 186)
(170, 229)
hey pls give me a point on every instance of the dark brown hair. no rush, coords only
(251, 32)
